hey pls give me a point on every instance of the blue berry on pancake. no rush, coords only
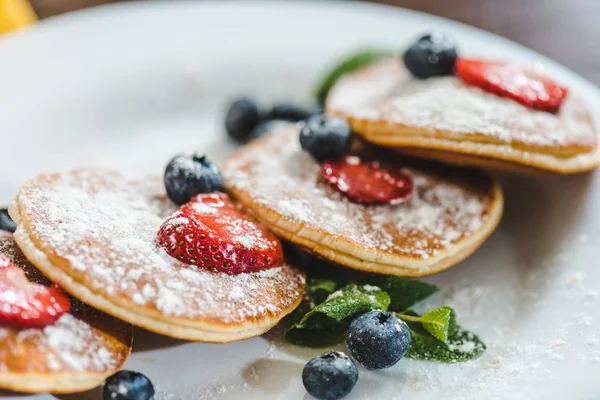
(432, 55)
(189, 175)
(325, 137)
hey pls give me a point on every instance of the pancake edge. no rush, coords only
(346, 253)
(57, 383)
(200, 332)
(469, 153)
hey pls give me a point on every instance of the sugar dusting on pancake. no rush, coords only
(105, 226)
(68, 345)
(276, 173)
(82, 340)
(387, 92)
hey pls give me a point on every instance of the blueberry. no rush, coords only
(289, 112)
(6, 222)
(330, 376)
(187, 176)
(242, 117)
(378, 339)
(128, 385)
(325, 137)
(432, 55)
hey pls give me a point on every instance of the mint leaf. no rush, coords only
(326, 323)
(315, 292)
(461, 345)
(347, 302)
(345, 66)
(323, 317)
(404, 292)
(317, 337)
(437, 322)
(319, 286)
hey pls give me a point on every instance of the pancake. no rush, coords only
(94, 232)
(74, 354)
(438, 117)
(452, 211)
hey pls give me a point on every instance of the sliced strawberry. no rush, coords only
(211, 233)
(368, 182)
(25, 304)
(527, 86)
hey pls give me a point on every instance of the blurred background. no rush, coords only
(566, 30)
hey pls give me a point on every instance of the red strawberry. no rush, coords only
(368, 182)
(25, 304)
(210, 232)
(529, 87)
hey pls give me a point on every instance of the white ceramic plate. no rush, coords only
(130, 85)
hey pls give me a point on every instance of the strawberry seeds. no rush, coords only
(529, 87)
(368, 182)
(211, 233)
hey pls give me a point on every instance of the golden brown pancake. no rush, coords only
(452, 211)
(94, 232)
(442, 116)
(74, 354)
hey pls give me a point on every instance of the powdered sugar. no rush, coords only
(181, 220)
(442, 211)
(336, 294)
(202, 208)
(371, 288)
(70, 344)
(105, 225)
(245, 240)
(465, 347)
(387, 92)
(237, 294)
(69, 338)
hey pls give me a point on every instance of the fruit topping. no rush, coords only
(528, 86)
(330, 376)
(6, 222)
(189, 175)
(128, 385)
(211, 233)
(368, 182)
(25, 304)
(378, 339)
(242, 117)
(432, 55)
(326, 137)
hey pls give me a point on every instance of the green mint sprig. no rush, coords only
(329, 306)
(461, 345)
(437, 322)
(326, 323)
(348, 64)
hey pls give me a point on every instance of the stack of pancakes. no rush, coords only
(93, 232)
(444, 119)
(440, 121)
